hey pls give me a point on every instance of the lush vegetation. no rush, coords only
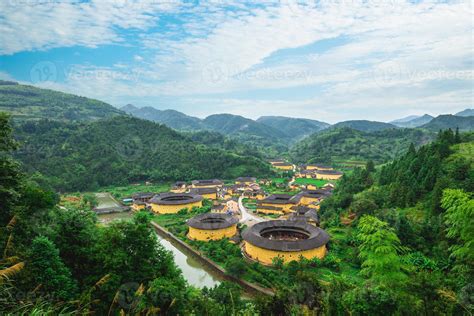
(317, 182)
(296, 128)
(349, 144)
(364, 125)
(123, 150)
(31, 103)
(411, 226)
(463, 123)
(401, 240)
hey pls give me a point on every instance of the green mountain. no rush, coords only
(30, 103)
(120, 150)
(170, 118)
(464, 123)
(466, 112)
(229, 124)
(296, 128)
(413, 121)
(364, 125)
(343, 144)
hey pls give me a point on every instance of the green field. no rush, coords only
(317, 182)
(127, 191)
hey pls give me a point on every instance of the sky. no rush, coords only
(330, 60)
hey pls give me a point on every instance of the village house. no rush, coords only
(205, 192)
(286, 166)
(179, 187)
(213, 183)
(141, 199)
(245, 180)
(328, 174)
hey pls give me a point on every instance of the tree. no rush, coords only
(378, 249)
(46, 268)
(459, 215)
(10, 178)
(236, 267)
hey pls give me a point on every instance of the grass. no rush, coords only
(127, 191)
(278, 180)
(317, 182)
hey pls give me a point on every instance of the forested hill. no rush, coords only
(296, 128)
(24, 102)
(344, 144)
(417, 212)
(120, 150)
(464, 123)
(170, 118)
(364, 125)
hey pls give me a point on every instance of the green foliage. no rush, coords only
(450, 121)
(46, 269)
(459, 216)
(378, 249)
(31, 103)
(79, 156)
(337, 144)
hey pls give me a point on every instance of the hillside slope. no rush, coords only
(30, 103)
(349, 144)
(295, 128)
(364, 125)
(80, 156)
(229, 124)
(466, 112)
(414, 122)
(170, 118)
(464, 123)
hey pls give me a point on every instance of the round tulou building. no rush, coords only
(288, 240)
(212, 226)
(167, 203)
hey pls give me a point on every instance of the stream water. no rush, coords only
(193, 271)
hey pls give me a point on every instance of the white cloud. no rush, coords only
(391, 58)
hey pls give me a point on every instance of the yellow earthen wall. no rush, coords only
(266, 256)
(214, 234)
(170, 209)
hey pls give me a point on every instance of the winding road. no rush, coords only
(246, 216)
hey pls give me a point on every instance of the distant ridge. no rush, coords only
(296, 128)
(405, 119)
(466, 112)
(170, 118)
(364, 125)
(414, 122)
(464, 123)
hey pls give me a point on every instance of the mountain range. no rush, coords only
(270, 134)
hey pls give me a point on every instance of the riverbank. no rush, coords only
(249, 288)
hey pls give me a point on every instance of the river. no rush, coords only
(193, 271)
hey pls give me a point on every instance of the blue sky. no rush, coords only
(323, 59)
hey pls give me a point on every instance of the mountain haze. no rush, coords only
(364, 125)
(295, 128)
(464, 123)
(170, 118)
(466, 112)
(414, 122)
